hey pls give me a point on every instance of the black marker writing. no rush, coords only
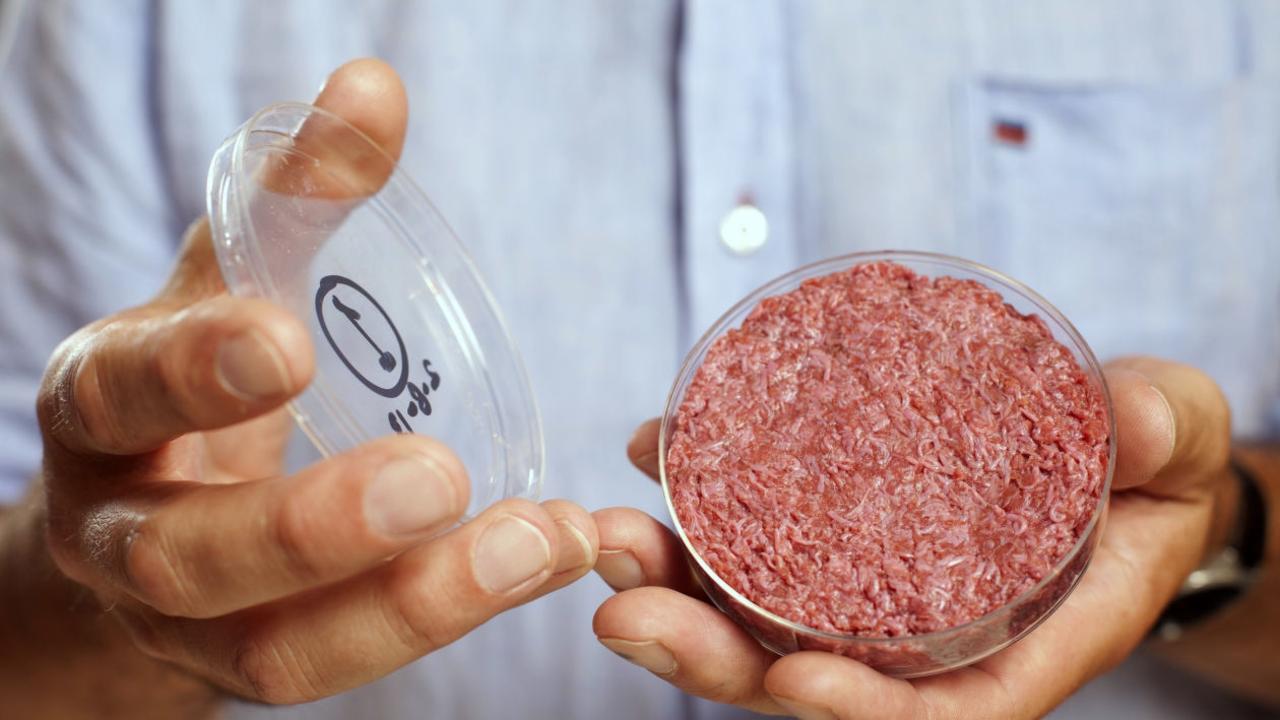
(370, 311)
(432, 374)
(385, 360)
(398, 423)
(419, 402)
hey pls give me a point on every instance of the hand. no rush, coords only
(1173, 433)
(163, 490)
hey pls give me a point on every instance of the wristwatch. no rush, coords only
(1229, 574)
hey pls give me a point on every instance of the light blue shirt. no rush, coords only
(586, 152)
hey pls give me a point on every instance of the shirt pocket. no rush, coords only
(1147, 213)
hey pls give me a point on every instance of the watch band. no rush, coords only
(1227, 576)
(1253, 518)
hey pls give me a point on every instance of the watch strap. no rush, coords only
(1224, 578)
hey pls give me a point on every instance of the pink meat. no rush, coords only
(884, 454)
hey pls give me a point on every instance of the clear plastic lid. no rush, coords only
(308, 212)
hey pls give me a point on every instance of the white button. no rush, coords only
(744, 229)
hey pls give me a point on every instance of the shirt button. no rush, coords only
(744, 229)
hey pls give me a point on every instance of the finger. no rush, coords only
(579, 543)
(812, 685)
(366, 93)
(642, 450)
(636, 550)
(206, 550)
(133, 383)
(342, 636)
(688, 643)
(819, 684)
(1172, 431)
(195, 275)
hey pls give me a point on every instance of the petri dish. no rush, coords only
(922, 654)
(308, 212)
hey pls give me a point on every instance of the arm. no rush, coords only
(1236, 648)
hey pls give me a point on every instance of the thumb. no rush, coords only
(1173, 425)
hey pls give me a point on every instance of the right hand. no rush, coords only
(1172, 501)
(164, 433)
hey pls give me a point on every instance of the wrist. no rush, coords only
(1232, 554)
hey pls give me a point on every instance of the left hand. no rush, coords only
(1173, 430)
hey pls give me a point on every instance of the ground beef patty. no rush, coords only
(881, 453)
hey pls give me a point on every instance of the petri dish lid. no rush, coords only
(307, 211)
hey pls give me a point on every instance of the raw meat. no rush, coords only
(884, 454)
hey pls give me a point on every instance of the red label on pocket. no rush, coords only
(1009, 132)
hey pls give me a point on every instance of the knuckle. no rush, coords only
(153, 573)
(419, 613)
(87, 407)
(271, 673)
(257, 669)
(174, 377)
(54, 402)
(294, 533)
(74, 405)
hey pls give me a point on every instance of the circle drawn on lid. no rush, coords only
(403, 275)
(331, 301)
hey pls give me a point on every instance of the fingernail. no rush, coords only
(407, 496)
(250, 367)
(1173, 424)
(650, 655)
(805, 712)
(509, 553)
(620, 569)
(575, 552)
